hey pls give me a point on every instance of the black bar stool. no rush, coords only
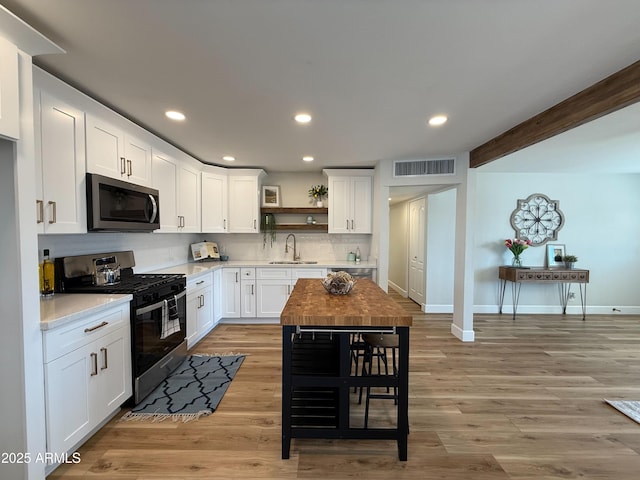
(377, 346)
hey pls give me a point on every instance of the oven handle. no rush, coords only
(155, 306)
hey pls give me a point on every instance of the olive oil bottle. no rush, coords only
(47, 275)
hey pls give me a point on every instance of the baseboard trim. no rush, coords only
(464, 335)
(398, 290)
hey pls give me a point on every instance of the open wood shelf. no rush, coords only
(317, 227)
(299, 210)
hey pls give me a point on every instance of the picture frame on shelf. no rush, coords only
(555, 254)
(271, 195)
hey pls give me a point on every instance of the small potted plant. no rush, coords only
(317, 193)
(569, 260)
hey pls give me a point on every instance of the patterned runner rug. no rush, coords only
(631, 408)
(193, 390)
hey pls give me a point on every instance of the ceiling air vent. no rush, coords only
(421, 168)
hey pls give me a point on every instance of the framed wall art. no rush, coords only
(270, 195)
(555, 253)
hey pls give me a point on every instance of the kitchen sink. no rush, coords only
(292, 262)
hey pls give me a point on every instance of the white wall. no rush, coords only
(399, 247)
(602, 228)
(440, 235)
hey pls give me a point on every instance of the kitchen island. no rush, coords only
(316, 361)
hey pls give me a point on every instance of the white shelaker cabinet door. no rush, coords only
(188, 199)
(214, 203)
(114, 370)
(361, 205)
(217, 296)
(205, 313)
(9, 92)
(164, 176)
(193, 305)
(243, 205)
(61, 149)
(69, 398)
(339, 205)
(138, 161)
(272, 295)
(248, 298)
(231, 293)
(105, 149)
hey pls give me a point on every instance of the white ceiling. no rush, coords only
(369, 71)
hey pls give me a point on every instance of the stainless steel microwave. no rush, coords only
(118, 206)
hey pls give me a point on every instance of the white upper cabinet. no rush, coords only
(214, 200)
(9, 92)
(116, 154)
(189, 200)
(350, 201)
(60, 166)
(164, 178)
(244, 200)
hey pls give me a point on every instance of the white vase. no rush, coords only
(319, 204)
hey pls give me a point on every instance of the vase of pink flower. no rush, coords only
(517, 246)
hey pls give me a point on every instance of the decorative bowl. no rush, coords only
(338, 283)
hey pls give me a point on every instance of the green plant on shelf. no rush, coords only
(268, 229)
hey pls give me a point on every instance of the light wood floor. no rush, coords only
(524, 401)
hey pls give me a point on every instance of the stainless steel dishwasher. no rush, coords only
(358, 272)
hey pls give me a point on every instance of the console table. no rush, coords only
(316, 361)
(562, 276)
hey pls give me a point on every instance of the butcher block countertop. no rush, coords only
(366, 305)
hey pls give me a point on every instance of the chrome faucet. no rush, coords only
(296, 257)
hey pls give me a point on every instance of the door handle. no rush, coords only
(123, 165)
(94, 364)
(252, 289)
(54, 212)
(224, 224)
(96, 327)
(129, 168)
(347, 224)
(352, 227)
(40, 211)
(105, 360)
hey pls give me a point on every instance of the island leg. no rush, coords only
(403, 392)
(287, 333)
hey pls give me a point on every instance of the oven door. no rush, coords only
(157, 330)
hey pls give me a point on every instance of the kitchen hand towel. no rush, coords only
(170, 318)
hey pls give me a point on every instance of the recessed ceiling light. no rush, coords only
(438, 120)
(302, 118)
(173, 115)
(307, 158)
(229, 158)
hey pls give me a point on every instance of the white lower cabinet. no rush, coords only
(247, 292)
(87, 375)
(200, 319)
(260, 292)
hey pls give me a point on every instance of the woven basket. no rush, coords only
(338, 283)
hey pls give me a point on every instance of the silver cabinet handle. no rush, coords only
(252, 292)
(54, 212)
(129, 168)
(236, 277)
(40, 211)
(123, 165)
(105, 360)
(254, 223)
(96, 327)
(200, 282)
(224, 224)
(352, 227)
(94, 364)
(347, 224)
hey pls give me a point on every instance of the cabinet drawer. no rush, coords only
(273, 273)
(247, 273)
(200, 281)
(297, 273)
(65, 339)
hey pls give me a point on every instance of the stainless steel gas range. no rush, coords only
(158, 310)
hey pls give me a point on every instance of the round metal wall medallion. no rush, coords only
(537, 218)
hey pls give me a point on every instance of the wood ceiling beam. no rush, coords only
(613, 93)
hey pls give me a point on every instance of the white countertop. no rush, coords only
(198, 268)
(62, 308)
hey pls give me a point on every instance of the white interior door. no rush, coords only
(417, 227)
